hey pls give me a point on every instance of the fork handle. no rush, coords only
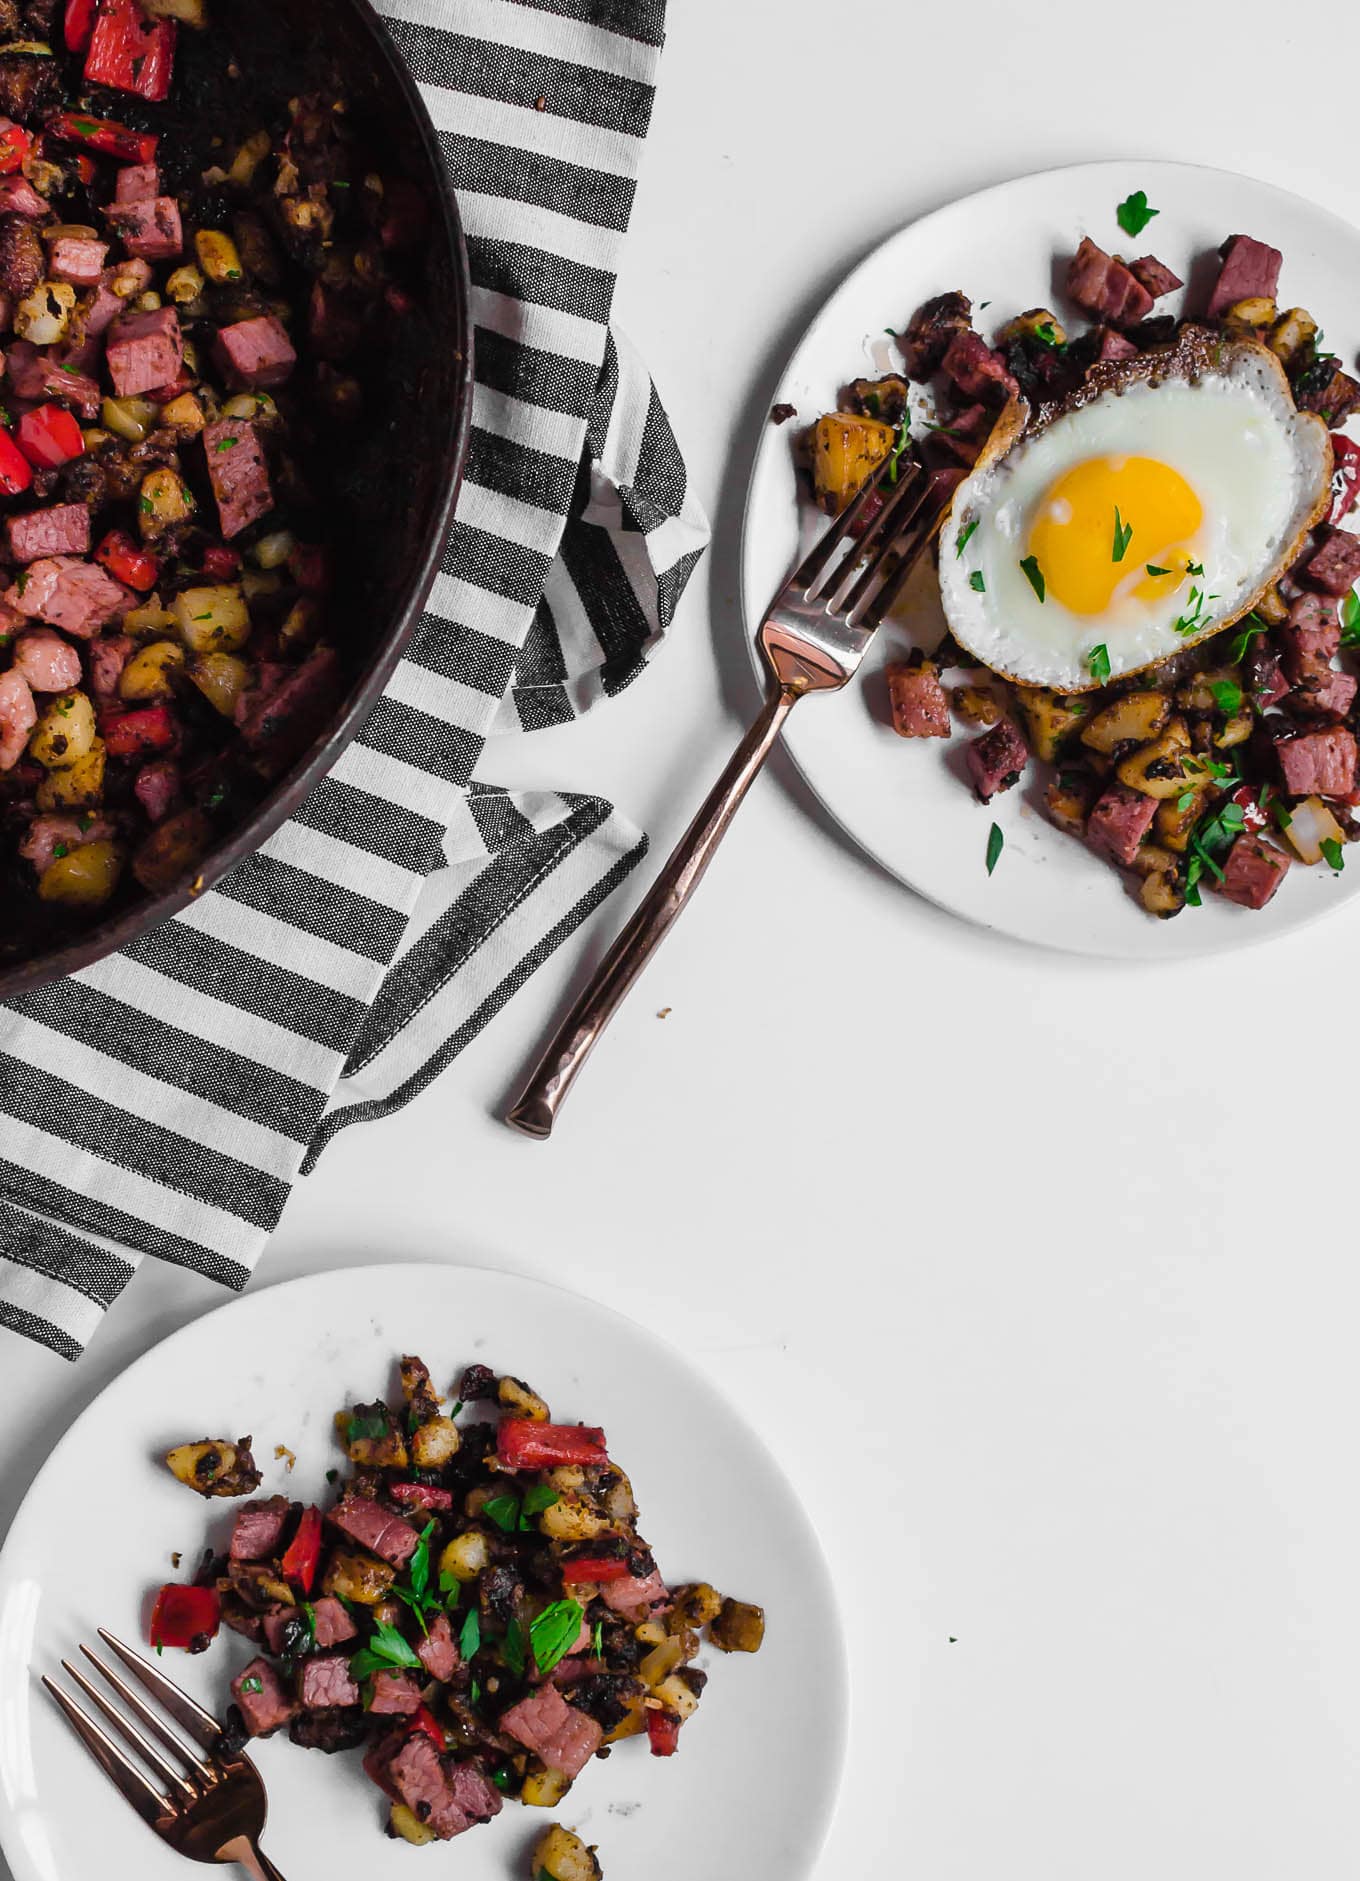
(556, 1071)
(248, 1856)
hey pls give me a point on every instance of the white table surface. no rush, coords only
(1055, 1330)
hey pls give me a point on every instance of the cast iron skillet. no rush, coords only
(401, 481)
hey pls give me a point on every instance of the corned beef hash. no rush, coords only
(474, 1607)
(1144, 563)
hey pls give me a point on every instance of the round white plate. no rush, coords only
(751, 1791)
(907, 802)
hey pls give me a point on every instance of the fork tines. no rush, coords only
(885, 534)
(180, 1788)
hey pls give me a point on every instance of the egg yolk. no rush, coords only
(1077, 535)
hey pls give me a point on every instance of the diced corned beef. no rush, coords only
(930, 330)
(1119, 820)
(39, 375)
(1324, 388)
(636, 1599)
(996, 759)
(1335, 566)
(263, 1702)
(920, 708)
(107, 659)
(960, 440)
(1318, 764)
(259, 1529)
(136, 182)
(157, 788)
(1113, 345)
(394, 1694)
(324, 1682)
(144, 350)
(1327, 695)
(150, 228)
(1309, 638)
(256, 355)
(564, 1738)
(106, 305)
(64, 529)
(47, 662)
(375, 1528)
(977, 370)
(238, 474)
(378, 1759)
(1250, 271)
(333, 1624)
(437, 1651)
(241, 1620)
(1155, 276)
(276, 1624)
(45, 835)
(1253, 871)
(448, 1797)
(18, 716)
(1104, 288)
(1266, 681)
(77, 260)
(76, 596)
(278, 726)
(19, 198)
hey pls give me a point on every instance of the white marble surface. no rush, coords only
(1037, 1273)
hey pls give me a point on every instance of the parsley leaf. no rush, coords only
(504, 1512)
(599, 1639)
(371, 1424)
(1331, 849)
(966, 535)
(554, 1632)
(1350, 619)
(1098, 663)
(1133, 214)
(1153, 569)
(1123, 535)
(512, 1648)
(977, 582)
(470, 1638)
(1240, 642)
(537, 1498)
(1227, 696)
(903, 440)
(996, 841)
(252, 1685)
(385, 1651)
(1034, 575)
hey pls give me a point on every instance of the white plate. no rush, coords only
(751, 1791)
(907, 803)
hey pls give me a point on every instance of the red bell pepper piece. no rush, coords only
(78, 24)
(1247, 801)
(16, 473)
(523, 1445)
(49, 437)
(420, 1496)
(129, 734)
(1345, 477)
(128, 562)
(131, 52)
(187, 1617)
(14, 146)
(221, 564)
(302, 1556)
(423, 1719)
(104, 135)
(663, 1732)
(596, 1568)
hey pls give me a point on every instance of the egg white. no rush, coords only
(1259, 467)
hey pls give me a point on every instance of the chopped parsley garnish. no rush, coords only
(537, 1498)
(252, 1685)
(84, 126)
(1240, 643)
(599, 1639)
(1034, 575)
(1194, 616)
(1153, 569)
(1350, 619)
(1331, 850)
(1098, 663)
(1186, 798)
(1123, 535)
(470, 1638)
(386, 1651)
(996, 842)
(977, 581)
(1133, 214)
(145, 505)
(512, 1648)
(1046, 334)
(1227, 696)
(504, 1512)
(58, 851)
(362, 1425)
(903, 440)
(225, 444)
(554, 1632)
(966, 535)
(418, 1596)
(1194, 568)
(1280, 814)
(457, 1407)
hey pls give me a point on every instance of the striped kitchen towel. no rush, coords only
(163, 1101)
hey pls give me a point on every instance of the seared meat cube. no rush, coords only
(1318, 764)
(930, 330)
(1119, 820)
(996, 759)
(562, 1737)
(259, 1528)
(920, 708)
(1250, 271)
(1104, 288)
(1155, 276)
(1335, 565)
(22, 259)
(263, 1702)
(62, 530)
(1253, 871)
(977, 370)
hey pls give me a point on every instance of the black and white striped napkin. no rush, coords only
(163, 1101)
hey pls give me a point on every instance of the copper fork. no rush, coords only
(813, 638)
(213, 1807)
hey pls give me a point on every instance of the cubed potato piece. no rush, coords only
(43, 316)
(218, 256)
(407, 1824)
(739, 1627)
(1153, 860)
(1050, 719)
(633, 1721)
(1040, 323)
(564, 1857)
(362, 1578)
(544, 1789)
(221, 678)
(466, 1555)
(1133, 718)
(620, 1505)
(83, 877)
(1255, 312)
(1291, 333)
(695, 1605)
(886, 398)
(1162, 894)
(149, 672)
(129, 418)
(1310, 825)
(1236, 732)
(162, 501)
(185, 415)
(521, 1400)
(1197, 694)
(1172, 824)
(677, 1695)
(150, 621)
(975, 705)
(435, 1443)
(248, 158)
(1067, 804)
(209, 1467)
(214, 619)
(185, 284)
(1157, 769)
(372, 1437)
(846, 451)
(64, 733)
(78, 786)
(1271, 607)
(571, 1518)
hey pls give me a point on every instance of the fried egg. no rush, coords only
(1144, 512)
